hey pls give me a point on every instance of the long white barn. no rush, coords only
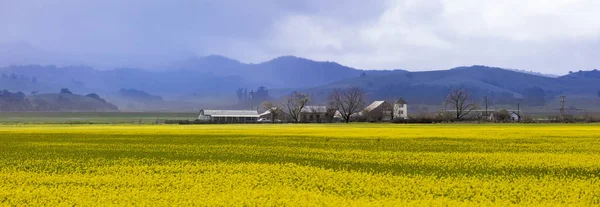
(228, 116)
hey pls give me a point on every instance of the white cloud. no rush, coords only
(543, 35)
(429, 34)
(524, 20)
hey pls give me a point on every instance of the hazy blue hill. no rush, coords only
(217, 78)
(138, 96)
(281, 72)
(18, 101)
(211, 75)
(69, 102)
(215, 64)
(48, 78)
(592, 74)
(290, 71)
(82, 79)
(430, 87)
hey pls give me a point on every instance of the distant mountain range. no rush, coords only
(501, 86)
(212, 81)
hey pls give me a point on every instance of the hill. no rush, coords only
(138, 96)
(281, 72)
(207, 76)
(582, 75)
(52, 102)
(500, 85)
(69, 102)
(216, 81)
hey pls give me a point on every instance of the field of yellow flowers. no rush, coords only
(300, 165)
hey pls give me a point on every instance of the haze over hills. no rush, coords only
(19, 101)
(500, 85)
(212, 81)
(281, 72)
(589, 75)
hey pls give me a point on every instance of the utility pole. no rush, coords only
(251, 99)
(486, 106)
(562, 106)
(519, 109)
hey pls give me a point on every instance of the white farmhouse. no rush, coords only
(400, 109)
(515, 116)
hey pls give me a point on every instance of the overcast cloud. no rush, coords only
(551, 36)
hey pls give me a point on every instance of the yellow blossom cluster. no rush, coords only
(300, 165)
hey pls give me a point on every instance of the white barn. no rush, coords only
(515, 116)
(235, 116)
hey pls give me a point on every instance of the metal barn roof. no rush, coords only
(374, 105)
(229, 113)
(314, 109)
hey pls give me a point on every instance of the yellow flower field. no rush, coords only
(300, 165)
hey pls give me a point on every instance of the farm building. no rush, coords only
(400, 109)
(515, 116)
(316, 114)
(487, 115)
(502, 115)
(280, 115)
(378, 111)
(230, 116)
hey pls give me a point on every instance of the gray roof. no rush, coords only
(400, 101)
(314, 109)
(374, 105)
(267, 112)
(229, 113)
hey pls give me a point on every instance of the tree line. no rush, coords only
(459, 106)
(344, 101)
(18, 101)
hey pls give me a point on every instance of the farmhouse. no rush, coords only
(515, 116)
(231, 116)
(316, 114)
(400, 109)
(487, 115)
(502, 115)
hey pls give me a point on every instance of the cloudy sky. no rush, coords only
(550, 36)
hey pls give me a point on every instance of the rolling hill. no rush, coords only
(18, 101)
(503, 86)
(214, 80)
(583, 75)
(69, 102)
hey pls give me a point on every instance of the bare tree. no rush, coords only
(294, 103)
(459, 99)
(273, 108)
(347, 102)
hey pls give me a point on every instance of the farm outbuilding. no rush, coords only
(378, 111)
(278, 116)
(228, 116)
(316, 114)
(514, 116)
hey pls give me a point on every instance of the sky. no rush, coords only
(549, 36)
